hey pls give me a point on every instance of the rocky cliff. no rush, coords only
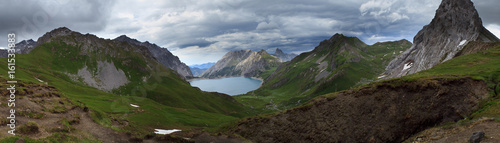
(455, 24)
(245, 63)
(163, 56)
(283, 56)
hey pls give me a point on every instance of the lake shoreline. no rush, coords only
(202, 78)
(227, 85)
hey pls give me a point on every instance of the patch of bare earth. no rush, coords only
(390, 111)
(460, 134)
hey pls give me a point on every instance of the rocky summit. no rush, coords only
(455, 24)
(283, 56)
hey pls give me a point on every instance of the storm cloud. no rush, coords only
(200, 31)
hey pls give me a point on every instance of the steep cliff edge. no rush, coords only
(455, 24)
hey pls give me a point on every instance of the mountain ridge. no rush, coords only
(162, 55)
(244, 63)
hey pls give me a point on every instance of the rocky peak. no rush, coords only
(59, 32)
(278, 52)
(455, 24)
(283, 56)
(25, 46)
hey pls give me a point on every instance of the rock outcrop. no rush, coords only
(455, 24)
(245, 63)
(163, 56)
(283, 56)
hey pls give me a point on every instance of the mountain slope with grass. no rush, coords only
(336, 64)
(244, 63)
(452, 97)
(163, 56)
(106, 77)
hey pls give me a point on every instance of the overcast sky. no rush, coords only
(200, 31)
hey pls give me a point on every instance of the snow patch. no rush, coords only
(382, 76)
(39, 79)
(133, 105)
(462, 42)
(165, 132)
(407, 66)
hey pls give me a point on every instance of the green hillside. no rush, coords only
(445, 101)
(336, 64)
(166, 101)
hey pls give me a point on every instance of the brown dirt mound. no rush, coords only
(389, 111)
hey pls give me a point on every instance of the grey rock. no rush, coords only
(476, 137)
(107, 76)
(23, 47)
(283, 56)
(455, 24)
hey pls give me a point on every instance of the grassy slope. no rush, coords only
(167, 101)
(300, 73)
(483, 65)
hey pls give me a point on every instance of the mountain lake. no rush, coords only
(230, 85)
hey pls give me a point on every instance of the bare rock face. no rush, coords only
(163, 56)
(245, 63)
(107, 76)
(455, 24)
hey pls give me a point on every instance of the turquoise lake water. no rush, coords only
(230, 85)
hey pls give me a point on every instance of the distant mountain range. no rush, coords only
(23, 47)
(200, 68)
(245, 63)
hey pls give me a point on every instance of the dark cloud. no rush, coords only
(30, 19)
(488, 11)
(200, 31)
